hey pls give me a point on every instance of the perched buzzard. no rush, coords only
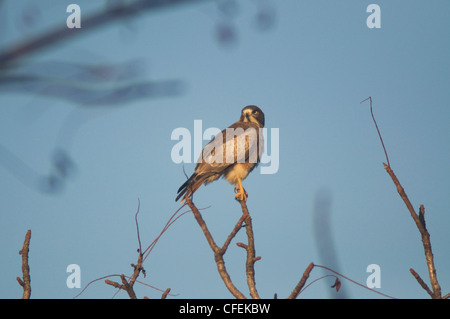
(233, 154)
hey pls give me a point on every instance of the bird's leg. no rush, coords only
(241, 193)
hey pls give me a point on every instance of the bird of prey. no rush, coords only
(232, 154)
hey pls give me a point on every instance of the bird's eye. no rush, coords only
(254, 112)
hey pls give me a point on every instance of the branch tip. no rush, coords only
(376, 126)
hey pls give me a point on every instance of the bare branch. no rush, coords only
(113, 283)
(164, 295)
(125, 286)
(171, 220)
(137, 226)
(420, 223)
(128, 287)
(376, 126)
(26, 282)
(128, 282)
(421, 282)
(137, 270)
(294, 294)
(218, 252)
(353, 281)
(230, 237)
(250, 248)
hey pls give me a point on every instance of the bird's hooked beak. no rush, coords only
(246, 117)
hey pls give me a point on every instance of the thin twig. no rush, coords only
(421, 282)
(171, 220)
(376, 126)
(137, 226)
(138, 268)
(26, 282)
(114, 284)
(203, 226)
(316, 280)
(301, 285)
(418, 219)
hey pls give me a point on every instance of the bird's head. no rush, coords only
(252, 113)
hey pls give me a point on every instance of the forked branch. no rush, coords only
(294, 294)
(220, 251)
(250, 248)
(420, 223)
(419, 220)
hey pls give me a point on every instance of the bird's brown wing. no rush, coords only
(236, 144)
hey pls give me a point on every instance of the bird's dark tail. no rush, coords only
(190, 186)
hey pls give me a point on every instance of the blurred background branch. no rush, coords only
(120, 10)
(89, 85)
(83, 84)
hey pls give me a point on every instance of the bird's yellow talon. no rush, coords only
(241, 196)
(241, 193)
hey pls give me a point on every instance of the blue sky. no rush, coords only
(308, 72)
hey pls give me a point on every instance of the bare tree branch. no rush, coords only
(250, 248)
(128, 285)
(420, 223)
(138, 268)
(26, 282)
(164, 295)
(294, 294)
(218, 252)
(230, 237)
